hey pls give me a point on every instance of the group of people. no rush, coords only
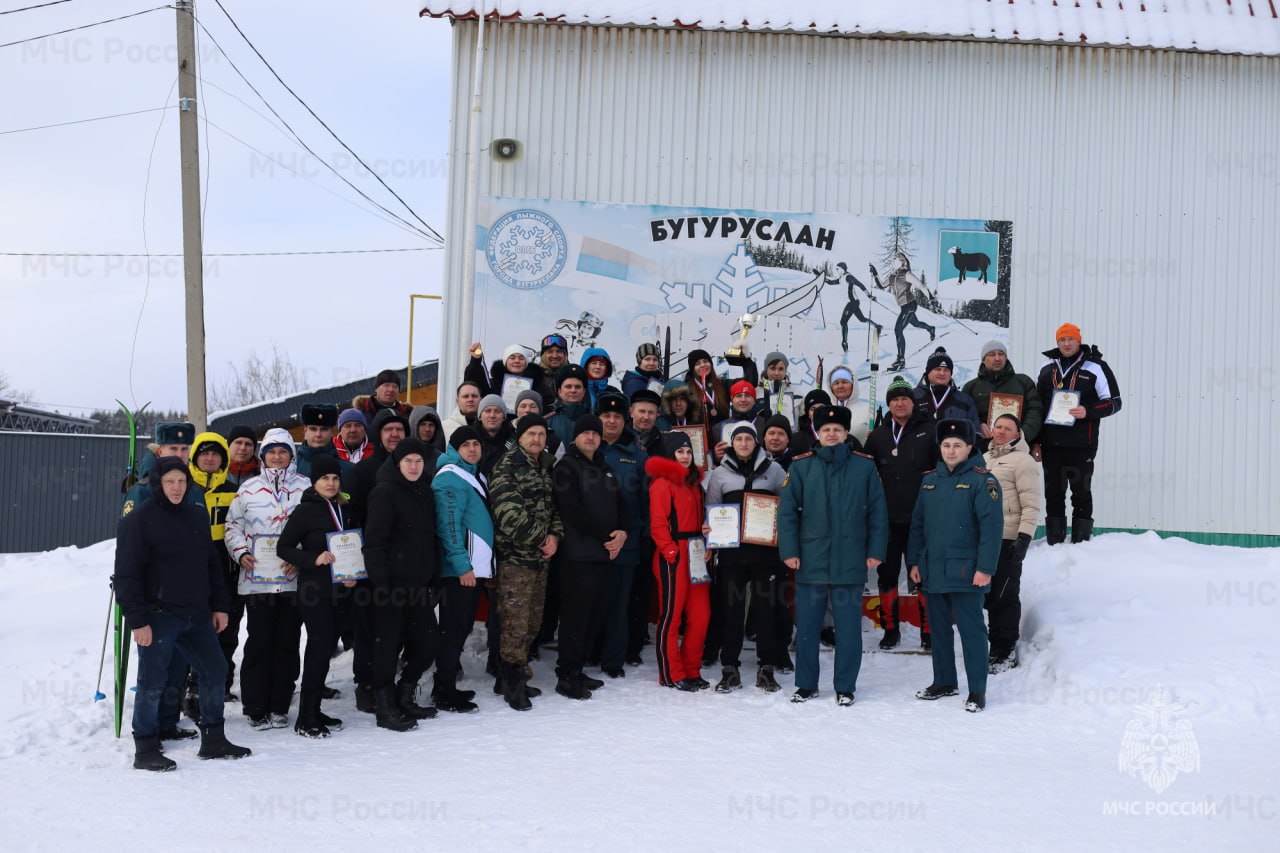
(572, 501)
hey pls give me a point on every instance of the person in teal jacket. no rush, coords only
(464, 528)
(953, 550)
(833, 526)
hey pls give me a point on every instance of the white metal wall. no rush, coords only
(1144, 189)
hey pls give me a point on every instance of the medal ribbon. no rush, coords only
(335, 512)
(937, 403)
(1058, 377)
(896, 431)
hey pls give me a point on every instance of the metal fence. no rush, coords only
(58, 489)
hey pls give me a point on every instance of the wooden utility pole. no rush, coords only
(192, 245)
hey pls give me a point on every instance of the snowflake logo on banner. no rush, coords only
(526, 249)
(1156, 747)
(736, 283)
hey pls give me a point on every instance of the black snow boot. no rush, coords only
(975, 703)
(454, 702)
(364, 699)
(936, 691)
(191, 703)
(214, 744)
(572, 686)
(388, 711)
(589, 682)
(309, 723)
(892, 637)
(1081, 529)
(765, 680)
(513, 687)
(730, 680)
(147, 755)
(405, 691)
(1055, 529)
(177, 732)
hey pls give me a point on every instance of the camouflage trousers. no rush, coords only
(521, 595)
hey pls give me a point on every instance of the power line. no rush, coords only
(218, 254)
(81, 121)
(38, 6)
(82, 27)
(305, 105)
(431, 235)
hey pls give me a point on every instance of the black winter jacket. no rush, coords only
(901, 475)
(400, 531)
(359, 482)
(304, 537)
(1099, 394)
(590, 503)
(166, 559)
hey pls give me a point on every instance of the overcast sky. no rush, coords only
(375, 72)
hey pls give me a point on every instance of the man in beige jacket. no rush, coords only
(1019, 478)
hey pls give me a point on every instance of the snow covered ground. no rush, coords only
(1114, 631)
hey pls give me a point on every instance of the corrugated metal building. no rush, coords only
(1143, 183)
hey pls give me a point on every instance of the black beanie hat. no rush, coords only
(165, 464)
(832, 415)
(570, 371)
(322, 465)
(587, 423)
(899, 387)
(673, 441)
(528, 422)
(611, 401)
(462, 435)
(207, 445)
(411, 445)
(955, 428)
(321, 415)
(779, 421)
(697, 355)
(939, 359)
(385, 376)
(242, 432)
(644, 395)
(815, 397)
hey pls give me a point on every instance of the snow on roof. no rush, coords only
(1210, 26)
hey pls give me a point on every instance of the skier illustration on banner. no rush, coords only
(852, 308)
(583, 331)
(906, 288)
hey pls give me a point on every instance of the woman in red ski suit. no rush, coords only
(675, 517)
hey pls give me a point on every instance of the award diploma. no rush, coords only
(1060, 408)
(1004, 404)
(512, 387)
(268, 568)
(348, 563)
(760, 520)
(725, 521)
(698, 573)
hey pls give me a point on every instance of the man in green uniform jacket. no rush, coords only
(953, 550)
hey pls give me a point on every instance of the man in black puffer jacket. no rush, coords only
(169, 583)
(594, 512)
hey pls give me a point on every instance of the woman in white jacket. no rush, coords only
(1019, 478)
(258, 514)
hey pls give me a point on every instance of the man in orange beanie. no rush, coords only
(1077, 389)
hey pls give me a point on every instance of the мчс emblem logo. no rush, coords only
(1156, 746)
(526, 249)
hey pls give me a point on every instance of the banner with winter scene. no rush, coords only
(618, 275)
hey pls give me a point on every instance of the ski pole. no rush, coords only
(98, 695)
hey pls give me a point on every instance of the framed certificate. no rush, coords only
(268, 567)
(1060, 408)
(1004, 404)
(513, 387)
(760, 520)
(698, 438)
(656, 386)
(698, 573)
(348, 563)
(725, 521)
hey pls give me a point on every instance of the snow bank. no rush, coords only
(1118, 633)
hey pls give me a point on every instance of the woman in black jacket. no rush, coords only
(594, 513)
(400, 556)
(304, 543)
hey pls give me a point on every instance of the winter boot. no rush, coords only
(498, 678)
(589, 682)
(405, 691)
(844, 700)
(803, 694)
(388, 711)
(364, 699)
(571, 685)
(1081, 529)
(1055, 529)
(214, 744)
(529, 690)
(975, 703)
(765, 680)
(147, 755)
(309, 723)
(730, 680)
(892, 637)
(191, 702)
(936, 691)
(177, 732)
(513, 688)
(454, 702)
(329, 693)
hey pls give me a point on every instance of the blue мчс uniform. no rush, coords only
(956, 531)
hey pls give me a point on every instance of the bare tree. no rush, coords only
(257, 379)
(8, 392)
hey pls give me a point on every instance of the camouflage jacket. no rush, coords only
(524, 508)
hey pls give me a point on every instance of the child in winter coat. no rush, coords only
(675, 522)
